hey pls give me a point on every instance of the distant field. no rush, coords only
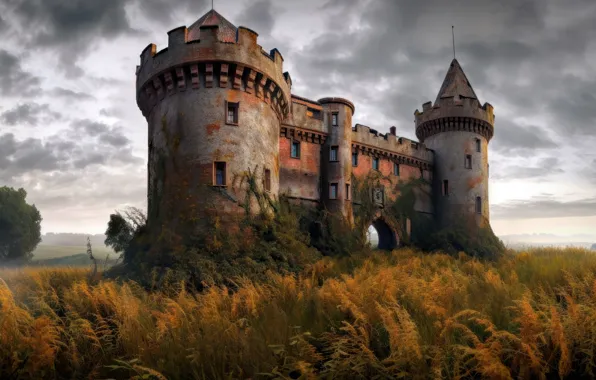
(44, 252)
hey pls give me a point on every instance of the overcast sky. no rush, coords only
(72, 135)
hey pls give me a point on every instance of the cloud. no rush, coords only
(14, 80)
(544, 167)
(70, 28)
(523, 140)
(29, 114)
(544, 207)
(84, 144)
(165, 12)
(70, 94)
(258, 16)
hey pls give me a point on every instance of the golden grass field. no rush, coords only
(390, 315)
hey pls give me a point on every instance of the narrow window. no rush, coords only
(468, 161)
(375, 163)
(232, 113)
(333, 191)
(220, 173)
(396, 169)
(333, 154)
(347, 191)
(478, 205)
(478, 145)
(354, 159)
(295, 149)
(267, 180)
(334, 120)
(445, 187)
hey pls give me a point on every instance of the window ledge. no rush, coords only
(228, 123)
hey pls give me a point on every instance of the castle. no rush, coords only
(218, 105)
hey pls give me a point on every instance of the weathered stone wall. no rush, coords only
(182, 91)
(338, 172)
(465, 184)
(450, 128)
(414, 159)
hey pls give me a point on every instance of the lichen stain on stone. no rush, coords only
(473, 182)
(214, 127)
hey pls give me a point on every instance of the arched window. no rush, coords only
(478, 205)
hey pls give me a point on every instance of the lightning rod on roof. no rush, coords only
(453, 38)
(211, 4)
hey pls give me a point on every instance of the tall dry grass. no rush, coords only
(397, 315)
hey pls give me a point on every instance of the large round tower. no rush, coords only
(214, 101)
(458, 129)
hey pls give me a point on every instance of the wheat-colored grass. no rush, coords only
(390, 315)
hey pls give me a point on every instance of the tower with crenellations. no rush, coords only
(222, 120)
(458, 129)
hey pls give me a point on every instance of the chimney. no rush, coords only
(392, 131)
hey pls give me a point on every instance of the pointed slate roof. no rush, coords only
(456, 83)
(227, 30)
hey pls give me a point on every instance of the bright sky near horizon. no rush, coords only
(72, 135)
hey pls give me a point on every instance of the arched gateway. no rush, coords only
(388, 232)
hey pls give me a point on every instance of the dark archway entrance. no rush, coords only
(382, 236)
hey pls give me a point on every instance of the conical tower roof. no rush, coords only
(227, 30)
(456, 83)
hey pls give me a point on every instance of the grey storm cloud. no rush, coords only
(70, 94)
(84, 144)
(70, 27)
(375, 42)
(258, 16)
(544, 207)
(13, 79)
(29, 114)
(544, 168)
(521, 140)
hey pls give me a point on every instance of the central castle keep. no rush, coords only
(219, 106)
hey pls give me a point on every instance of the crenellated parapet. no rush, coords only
(455, 114)
(399, 149)
(197, 64)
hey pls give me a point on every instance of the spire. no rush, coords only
(226, 32)
(456, 84)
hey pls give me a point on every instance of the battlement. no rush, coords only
(402, 149)
(455, 113)
(175, 67)
(338, 100)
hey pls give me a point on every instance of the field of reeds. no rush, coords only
(404, 314)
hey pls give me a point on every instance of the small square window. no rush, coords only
(220, 174)
(354, 159)
(375, 163)
(232, 113)
(468, 161)
(333, 154)
(478, 145)
(267, 184)
(396, 169)
(334, 121)
(347, 191)
(295, 149)
(333, 191)
(445, 188)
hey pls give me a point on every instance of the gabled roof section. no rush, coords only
(456, 83)
(227, 30)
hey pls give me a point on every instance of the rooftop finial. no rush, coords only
(211, 4)
(453, 37)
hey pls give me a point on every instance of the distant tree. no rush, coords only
(20, 226)
(122, 228)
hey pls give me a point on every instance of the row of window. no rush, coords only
(478, 199)
(334, 157)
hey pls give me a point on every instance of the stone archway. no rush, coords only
(388, 237)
